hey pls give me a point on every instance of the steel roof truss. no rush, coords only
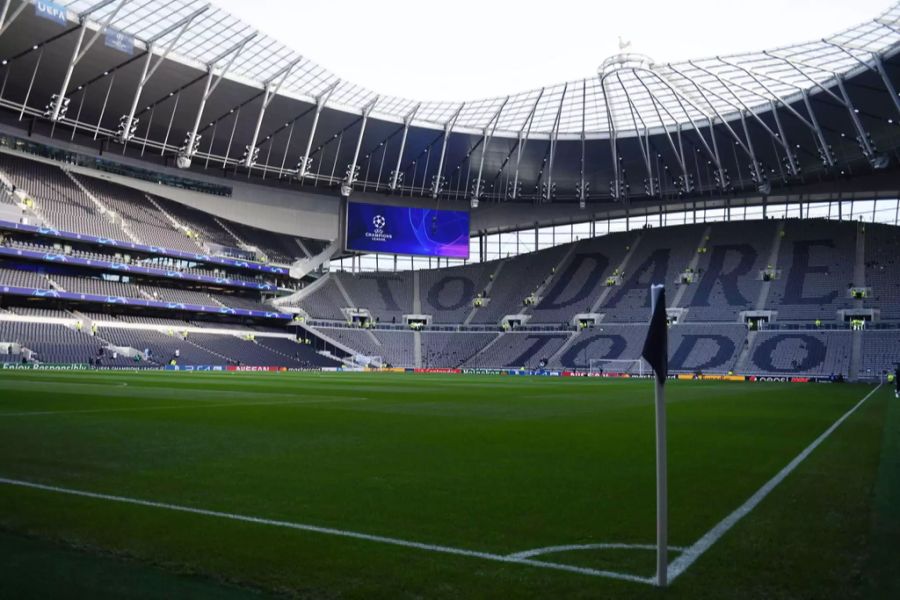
(395, 176)
(6, 22)
(271, 89)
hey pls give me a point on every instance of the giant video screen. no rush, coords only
(406, 230)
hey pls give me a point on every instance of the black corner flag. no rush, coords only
(656, 346)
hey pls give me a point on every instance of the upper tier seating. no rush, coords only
(58, 199)
(518, 278)
(326, 301)
(578, 284)
(728, 276)
(21, 278)
(144, 220)
(661, 256)
(816, 260)
(388, 296)
(883, 269)
(448, 294)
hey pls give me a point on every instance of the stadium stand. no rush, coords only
(59, 200)
(53, 343)
(388, 296)
(816, 263)
(448, 294)
(144, 220)
(802, 352)
(517, 278)
(442, 349)
(883, 269)
(728, 276)
(519, 350)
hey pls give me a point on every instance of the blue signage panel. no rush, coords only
(407, 230)
(50, 11)
(119, 40)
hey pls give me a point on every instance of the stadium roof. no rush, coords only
(629, 94)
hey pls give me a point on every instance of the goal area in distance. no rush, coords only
(634, 366)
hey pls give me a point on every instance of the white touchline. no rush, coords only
(687, 558)
(330, 531)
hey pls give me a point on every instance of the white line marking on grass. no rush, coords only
(195, 406)
(599, 546)
(680, 564)
(330, 531)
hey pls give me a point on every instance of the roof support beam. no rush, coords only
(448, 129)
(80, 50)
(616, 186)
(271, 90)
(582, 190)
(812, 124)
(353, 168)
(711, 148)
(212, 82)
(825, 149)
(486, 138)
(554, 135)
(888, 84)
(728, 83)
(876, 65)
(862, 136)
(790, 157)
(650, 187)
(397, 175)
(6, 22)
(129, 123)
(754, 163)
(523, 139)
(303, 167)
(685, 183)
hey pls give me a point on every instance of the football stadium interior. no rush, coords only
(265, 331)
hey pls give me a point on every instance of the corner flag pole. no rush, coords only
(662, 491)
(656, 352)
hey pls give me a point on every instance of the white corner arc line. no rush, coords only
(687, 558)
(329, 531)
(597, 546)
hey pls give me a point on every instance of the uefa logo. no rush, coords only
(379, 222)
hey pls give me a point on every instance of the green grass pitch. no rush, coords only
(488, 465)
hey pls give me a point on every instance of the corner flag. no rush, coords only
(656, 352)
(656, 346)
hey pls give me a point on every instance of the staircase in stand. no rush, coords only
(176, 225)
(620, 269)
(104, 210)
(487, 289)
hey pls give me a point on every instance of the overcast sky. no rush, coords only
(469, 49)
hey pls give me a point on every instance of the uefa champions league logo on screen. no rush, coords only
(378, 235)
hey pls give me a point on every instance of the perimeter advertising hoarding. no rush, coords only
(407, 230)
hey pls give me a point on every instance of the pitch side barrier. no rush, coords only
(447, 371)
